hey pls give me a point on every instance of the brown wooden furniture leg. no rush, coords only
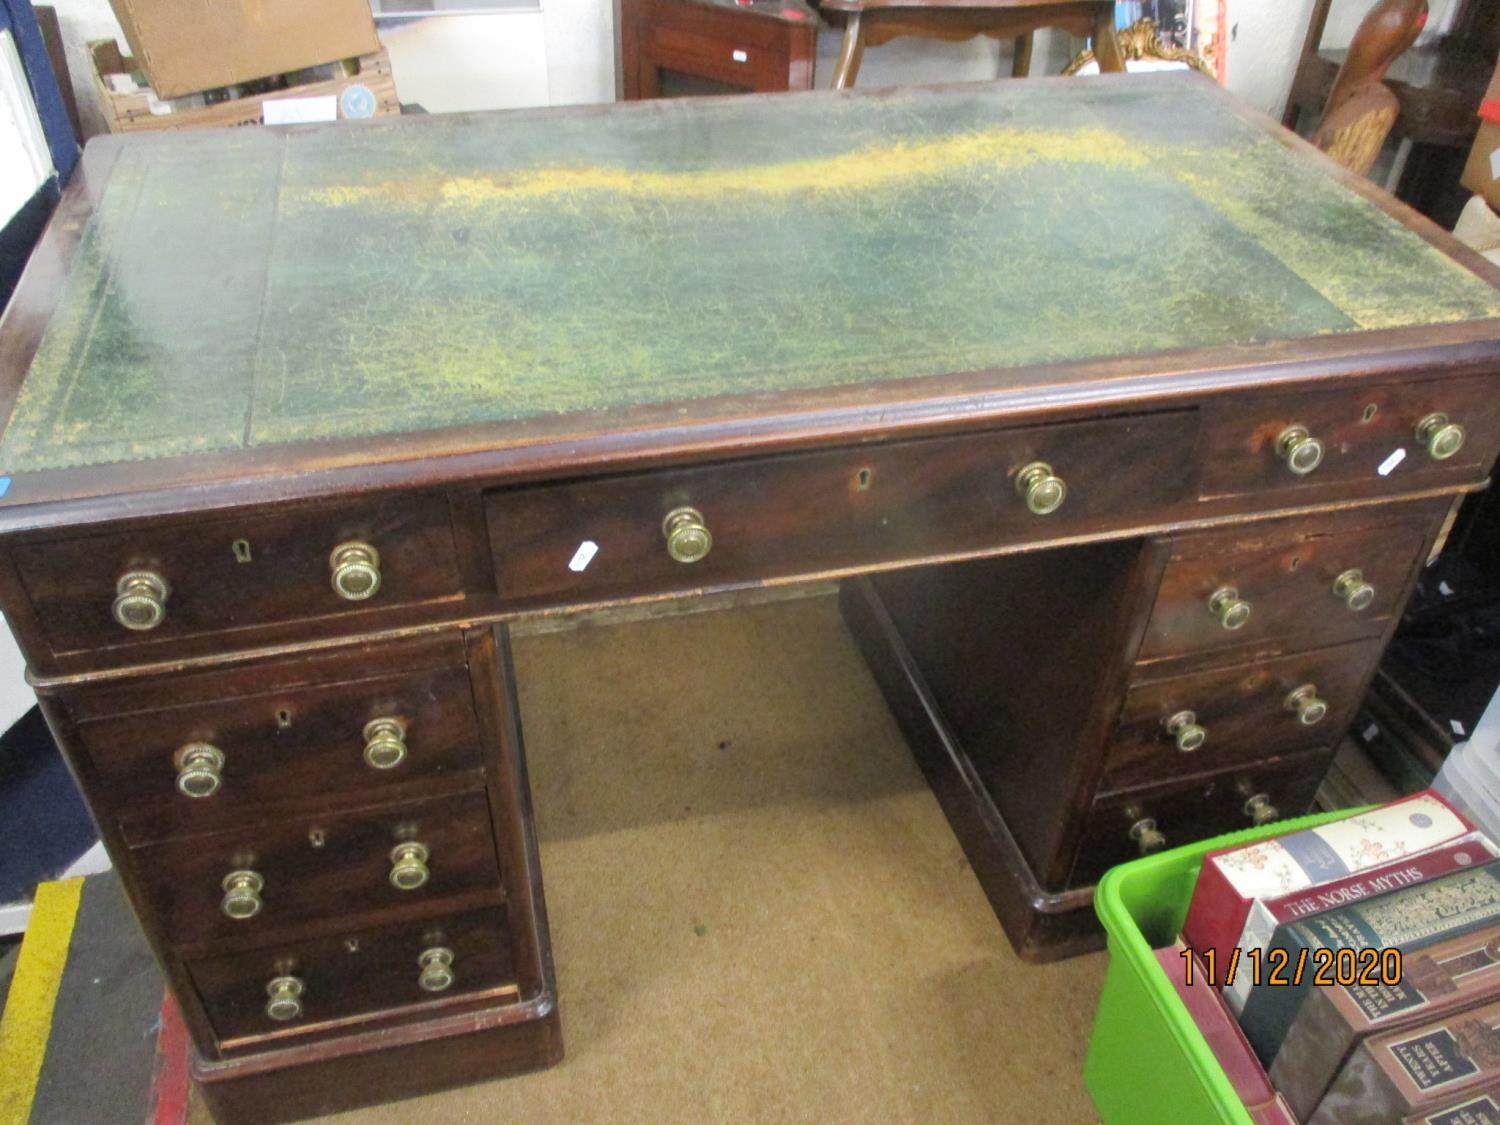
(851, 54)
(1020, 66)
(1107, 43)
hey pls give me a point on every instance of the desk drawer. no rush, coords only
(1195, 809)
(1361, 430)
(314, 868)
(331, 983)
(811, 513)
(1241, 714)
(237, 574)
(1286, 575)
(198, 766)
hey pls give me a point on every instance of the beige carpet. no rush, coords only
(758, 911)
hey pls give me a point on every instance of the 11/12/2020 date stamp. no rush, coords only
(1323, 968)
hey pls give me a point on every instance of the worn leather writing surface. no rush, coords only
(263, 287)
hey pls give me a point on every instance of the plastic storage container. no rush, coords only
(1147, 1060)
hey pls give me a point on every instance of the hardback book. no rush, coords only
(1480, 1106)
(1233, 878)
(1405, 919)
(1224, 1037)
(1266, 915)
(1415, 1072)
(1436, 980)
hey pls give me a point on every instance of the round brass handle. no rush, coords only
(1352, 589)
(409, 866)
(242, 894)
(1043, 491)
(1147, 836)
(437, 969)
(284, 998)
(385, 743)
(1440, 437)
(1304, 702)
(356, 571)
(688, 537)
(1260, 810)
(199, 767)
(1184, 728)
(141, 600)
(1226, 604)
(1299, 449)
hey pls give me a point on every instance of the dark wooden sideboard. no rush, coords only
(1126, 417)
(666, 48)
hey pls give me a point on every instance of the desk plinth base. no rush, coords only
(374, 1067)
(1042, 925)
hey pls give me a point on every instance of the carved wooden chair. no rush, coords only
(869, 23)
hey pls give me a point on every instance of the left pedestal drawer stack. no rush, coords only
(332, 853)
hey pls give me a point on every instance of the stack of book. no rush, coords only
(1350, 974)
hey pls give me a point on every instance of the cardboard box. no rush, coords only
(185, 46)
(1482, 172)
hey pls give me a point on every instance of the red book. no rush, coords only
(1232, 878)
(1266, 914)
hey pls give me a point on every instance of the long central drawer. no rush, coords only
(806, 513)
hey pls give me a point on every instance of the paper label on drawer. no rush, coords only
(740, 56)
(1388, 466)
(583, 556)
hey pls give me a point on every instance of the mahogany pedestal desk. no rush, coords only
(1128, 418)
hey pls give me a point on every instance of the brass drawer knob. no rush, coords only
(199, 769)
(284, 998)
(1184, 729)
(1352, 589)
(1226, 604)
(1299, 449)
(1440, 437)
(1260, 810)
(1148, 838)
(141, 600)
(409, 866)
(1304, 702)
(1043, 491)
(356, 571)
(437, 969)
(688, 537)
(242, 894)
(385, 743)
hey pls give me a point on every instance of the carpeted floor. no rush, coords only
(758, 911)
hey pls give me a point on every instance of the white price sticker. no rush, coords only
(583, 556)
(1388, 466)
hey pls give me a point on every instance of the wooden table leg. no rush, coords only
(1020, 65)
(851, 53)
(1107, 43)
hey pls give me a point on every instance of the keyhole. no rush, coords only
(316, 838)
(241, 549)
(352, 944)
(283, 719)
(862, 480)
(1370, 412)
(1295, 563)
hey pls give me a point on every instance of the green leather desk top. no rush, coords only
(259, 287)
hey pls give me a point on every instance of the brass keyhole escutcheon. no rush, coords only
(284, 998)
(141, 600)
(1184, 730)
(409, 869)
(1299, 449)
(688, 537)
(355, 570)
(1232, 610)
(1043, 491)
(437, 969)
(242, 894)
(1260, 810)
(199, 769)
(1352, 589)
(1440, 437)
(385, 743)
(1306, 705)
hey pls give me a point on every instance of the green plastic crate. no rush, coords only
(1148, 1063)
